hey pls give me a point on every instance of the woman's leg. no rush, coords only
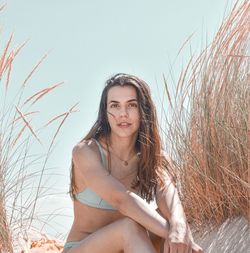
(124, 235)
(157, 241)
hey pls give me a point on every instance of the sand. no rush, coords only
(36, 242)
(233, 236)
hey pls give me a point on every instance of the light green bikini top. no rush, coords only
(90, 198)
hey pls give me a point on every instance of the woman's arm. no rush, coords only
(95, 176)
(168, 201)
(170, 207)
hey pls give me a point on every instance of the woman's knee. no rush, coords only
(131, 224)
(132, 228)
(65, 250)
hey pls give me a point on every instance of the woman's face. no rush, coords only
(122, 111)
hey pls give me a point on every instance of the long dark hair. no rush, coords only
(152, 164)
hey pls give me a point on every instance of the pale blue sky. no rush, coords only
(90, 40)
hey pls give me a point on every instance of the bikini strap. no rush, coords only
(101, 152)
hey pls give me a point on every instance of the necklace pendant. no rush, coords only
(125, 163)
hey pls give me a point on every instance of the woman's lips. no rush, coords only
(124, 125)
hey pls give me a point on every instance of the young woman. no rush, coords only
(117, 169)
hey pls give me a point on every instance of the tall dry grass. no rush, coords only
(21, 170)
(209, 126)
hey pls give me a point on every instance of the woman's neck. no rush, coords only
(122, 146)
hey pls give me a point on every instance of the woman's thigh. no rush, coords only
(109, 239)
(157, 241)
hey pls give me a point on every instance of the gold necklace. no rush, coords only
(125, 162)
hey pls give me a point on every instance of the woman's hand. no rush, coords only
(180, 239)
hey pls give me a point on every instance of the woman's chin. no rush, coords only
(125, 134)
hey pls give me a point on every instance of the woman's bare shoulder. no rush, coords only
(85, 149)
(168, 158)
(170, 165)
(165, 154)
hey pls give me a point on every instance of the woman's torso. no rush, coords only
(88, 219)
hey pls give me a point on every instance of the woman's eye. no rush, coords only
(114, 105)
(133, 105)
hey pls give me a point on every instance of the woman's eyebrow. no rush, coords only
(130, 100)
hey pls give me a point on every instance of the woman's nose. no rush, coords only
(123, 112)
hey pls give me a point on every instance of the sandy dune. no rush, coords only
(232, 237)
(45, 245)
(35, 242)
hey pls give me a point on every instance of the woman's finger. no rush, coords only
(173, 247)
(166, 248)
(197, 251)
(188, 249)
(184, 248)
(196, 248)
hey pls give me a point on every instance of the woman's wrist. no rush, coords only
(178, 223)
(166, 229)
(181, 218)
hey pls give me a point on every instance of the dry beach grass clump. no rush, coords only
(22, 171)
(209, 130)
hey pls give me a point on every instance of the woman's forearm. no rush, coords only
(168, 201)
(139, 210)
